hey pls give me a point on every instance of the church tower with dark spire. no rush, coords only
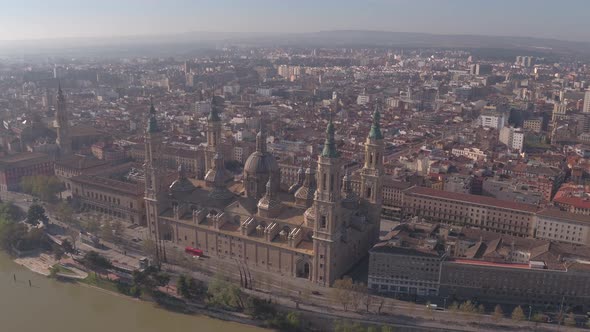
(64, 142)
(213, 137)
(372, 173)
(328, 219)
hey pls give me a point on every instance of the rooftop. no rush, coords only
(22, 159)
(475, 199)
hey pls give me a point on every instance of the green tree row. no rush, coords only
(42, 186)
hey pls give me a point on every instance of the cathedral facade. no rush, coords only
(318, 230)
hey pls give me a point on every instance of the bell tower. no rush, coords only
(328, 220)
(213, 137)
(64, 142)
(371, 174)
(153, 145)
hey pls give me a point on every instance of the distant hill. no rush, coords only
(185, 43)
(351, 38)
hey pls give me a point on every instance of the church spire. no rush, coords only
(152, 126)
(60, 94)
(330, 150)
(261, 139)
(375, 132)
(213, 115)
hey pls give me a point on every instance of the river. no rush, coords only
(53, 306)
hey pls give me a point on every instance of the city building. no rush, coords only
(74, 165)
(533, 125)
(586, 106)
(470, 152)
(115, 191)
(445, 265)
(492, 118)
(556, 225)
(464, 209)
(512, 137)
(14, 167)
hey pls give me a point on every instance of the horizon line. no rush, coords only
(123, 36)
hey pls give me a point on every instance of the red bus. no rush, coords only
(193, 251)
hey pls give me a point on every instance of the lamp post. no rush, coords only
(530, 311)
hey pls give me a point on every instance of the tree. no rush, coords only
(293, 321)
(196, 288)
(58, 252)
(53, 271)
(94, 261)
(118, 229)
(223, 294)
(65, 213)
(11, 234)
(343, 292)
(190, 288)
(430, 310)
(454, 307)
(367, 299)
(33, 239)
(10, 212)
(36, 214)
(67, 246)
(93, 226)
(149, 247)
(260, 309)
(347, 326)
(518, 314)
(481, 309)
(151, 278)
(73, 235)
(498, 313)
(468, 307)
(182, 287)
(44, 187)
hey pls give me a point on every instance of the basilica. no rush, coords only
(317, 230)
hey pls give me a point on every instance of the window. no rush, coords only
(323, 221)
(331, 182)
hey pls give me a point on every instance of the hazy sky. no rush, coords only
(34, 19)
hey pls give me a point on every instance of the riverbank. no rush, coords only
(194, 308)
(48, 305)
(43, 263)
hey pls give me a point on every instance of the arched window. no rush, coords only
(323, 221)
(331, 182)
(368, 192)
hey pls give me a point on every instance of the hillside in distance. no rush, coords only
(188, 42)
